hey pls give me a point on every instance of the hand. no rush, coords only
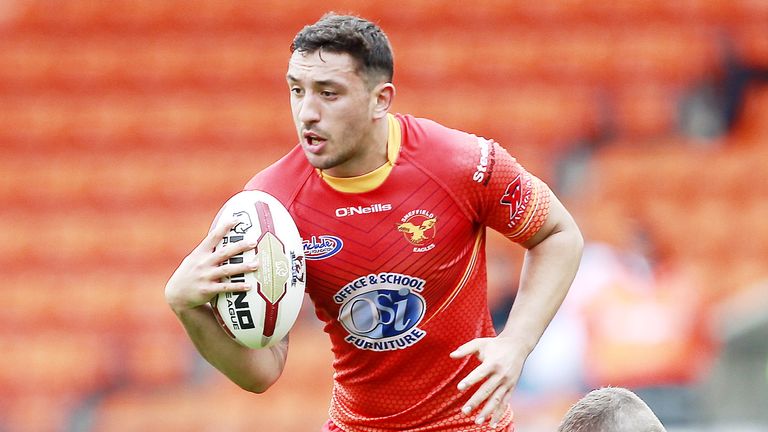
(199, 276)
(502, 362)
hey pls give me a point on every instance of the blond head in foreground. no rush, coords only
(610, 409)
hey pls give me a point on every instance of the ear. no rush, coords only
(384, 95)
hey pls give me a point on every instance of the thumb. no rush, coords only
(468, 348)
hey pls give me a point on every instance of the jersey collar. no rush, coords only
(372, 180)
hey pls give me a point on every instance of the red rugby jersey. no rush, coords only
(396, 270)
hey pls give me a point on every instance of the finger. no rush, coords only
(479, 373)
(492, 404)
(216, 234)
(227, 270)
(225, 287)
(482, 394)
(501, 409)
(467, 349)
(225, 254)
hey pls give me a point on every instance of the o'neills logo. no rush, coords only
(322, 247)
(351, 211)
(418, 227)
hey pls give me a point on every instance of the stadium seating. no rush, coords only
(120, 122)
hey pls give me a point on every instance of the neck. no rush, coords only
(375, 153)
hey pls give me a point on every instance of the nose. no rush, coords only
(309, 110)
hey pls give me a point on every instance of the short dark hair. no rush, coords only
(360, 38)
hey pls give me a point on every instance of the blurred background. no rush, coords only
(125, 124)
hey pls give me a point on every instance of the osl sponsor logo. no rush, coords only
(381, 312)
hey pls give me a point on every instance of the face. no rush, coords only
(334, 112)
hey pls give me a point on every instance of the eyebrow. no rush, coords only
(328, 82)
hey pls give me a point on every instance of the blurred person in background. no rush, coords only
(646, 323)
(430, 192)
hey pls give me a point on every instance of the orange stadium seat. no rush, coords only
(43, 412)
(645, 110)
(665, 53)
(55, 362)
(616, 172)
(637, 11)
(157, 358)
(751, 42)
(738, 176)
(25, 62)
(126, 124)
(753, 122)
(108, 301)
(189, 407)
(748, 230)
(581, 54)
(542, 115)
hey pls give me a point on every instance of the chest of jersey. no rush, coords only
(378, 261)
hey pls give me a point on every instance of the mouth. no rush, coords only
(313, 141)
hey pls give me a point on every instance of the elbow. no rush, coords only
(578, 241)
(258, 389)
(576, 244)
(261, 375)
(255, 379)
(257, 386)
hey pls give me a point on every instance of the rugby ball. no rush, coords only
(262, 316)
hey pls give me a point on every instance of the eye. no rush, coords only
(328, 94)
(298, 91)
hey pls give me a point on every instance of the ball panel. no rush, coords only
(264, 315)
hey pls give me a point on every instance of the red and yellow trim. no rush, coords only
(538, 208)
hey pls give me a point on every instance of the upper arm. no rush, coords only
(514, 202)
(558, 220)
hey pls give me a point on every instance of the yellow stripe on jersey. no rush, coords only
(464, 278)
(374, 179)
(394, 140)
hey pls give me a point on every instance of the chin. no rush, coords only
(318, 162)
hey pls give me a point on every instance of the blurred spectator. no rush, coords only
(629, 320)
(612, 253)
(652, 336)
(712, 107)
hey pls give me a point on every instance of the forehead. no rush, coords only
(322, 66)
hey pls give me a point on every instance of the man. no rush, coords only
(402, 294)
(610, 409)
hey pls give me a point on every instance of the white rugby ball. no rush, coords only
(262, 316)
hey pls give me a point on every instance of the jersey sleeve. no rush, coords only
(283, 178)
(512, 201)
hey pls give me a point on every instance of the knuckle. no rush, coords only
(213, 274)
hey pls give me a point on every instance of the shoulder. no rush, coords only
(428, 135)
(443, 151)
(283, 178)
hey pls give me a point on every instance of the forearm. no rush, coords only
(252, 369)
(547, 274)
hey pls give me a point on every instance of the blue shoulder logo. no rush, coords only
(322, 247)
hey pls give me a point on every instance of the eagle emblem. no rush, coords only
(418, 232)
